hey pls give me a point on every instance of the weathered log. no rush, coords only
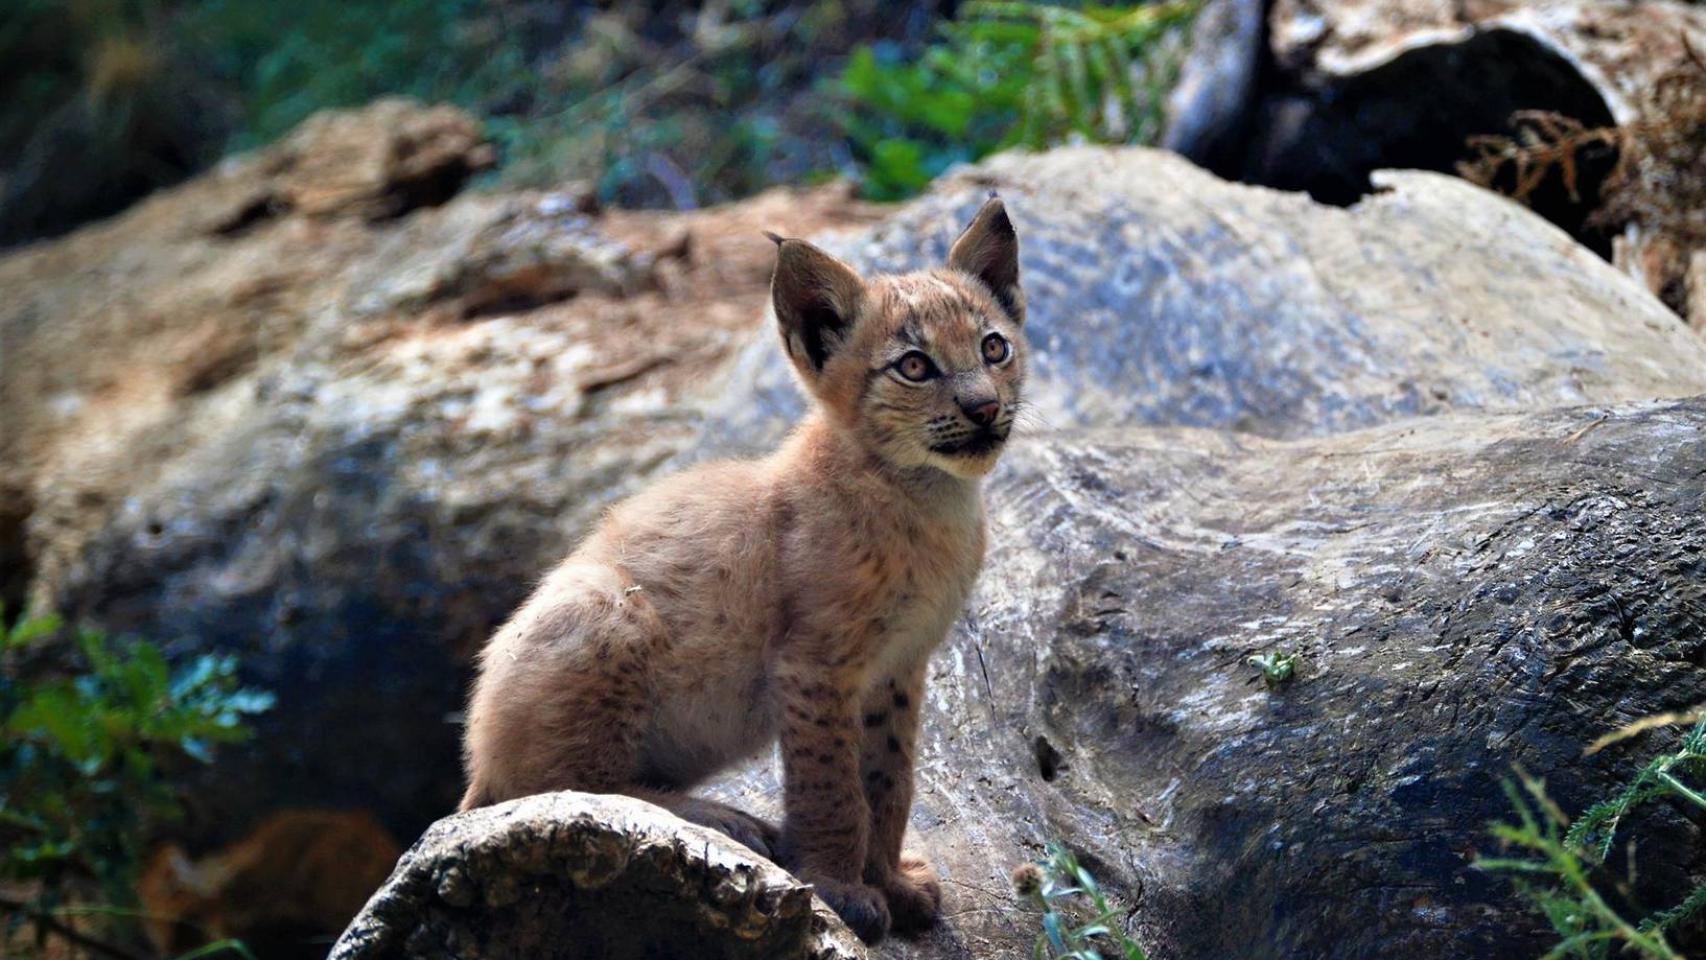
(1466, 592)
(589, 877)
(1333, 90)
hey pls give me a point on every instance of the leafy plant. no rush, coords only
(1557, 869)
(1063, 889)
(1010, 74)
(1277, 667)
(83, 764)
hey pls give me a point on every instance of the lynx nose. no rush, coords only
(981, 412)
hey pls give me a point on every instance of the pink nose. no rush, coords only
(983, 414)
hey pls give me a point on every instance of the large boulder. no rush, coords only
(1159, 294)
(342, 447)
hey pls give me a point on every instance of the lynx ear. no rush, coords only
(989, 251)
(817, 298)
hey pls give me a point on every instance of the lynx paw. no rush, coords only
(740, 826)
(863, 908)
(914, 895)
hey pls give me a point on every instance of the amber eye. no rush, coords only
(915, 366)
(996, 348)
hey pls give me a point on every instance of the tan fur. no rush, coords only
(300, 875)
(798, 596)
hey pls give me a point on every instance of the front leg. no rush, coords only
(890, 718)
(826, 832)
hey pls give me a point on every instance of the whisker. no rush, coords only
(1033, 419)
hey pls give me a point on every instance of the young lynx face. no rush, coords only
(925, 368)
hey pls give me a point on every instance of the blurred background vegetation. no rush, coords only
(660, 104)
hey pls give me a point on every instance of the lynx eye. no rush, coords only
(915, 366)
(996, 348)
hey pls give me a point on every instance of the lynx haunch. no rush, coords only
(796, 597)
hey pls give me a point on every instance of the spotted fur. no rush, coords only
(793, 598)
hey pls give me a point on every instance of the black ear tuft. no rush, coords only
(989, 251)
(817, 298)
(775, 238)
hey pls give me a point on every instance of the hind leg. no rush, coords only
(756, 834)
(564, 695)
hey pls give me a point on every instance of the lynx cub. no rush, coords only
(798, 596)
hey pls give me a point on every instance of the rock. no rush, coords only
(1347, 87)
(577, 875)
(344, 448)
(1161, 295)
(1465, 591)
(382, 160)
(498, 254)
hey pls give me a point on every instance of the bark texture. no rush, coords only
(573, 875)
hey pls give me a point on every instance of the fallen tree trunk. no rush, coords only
(576, 875)
(1317, 95)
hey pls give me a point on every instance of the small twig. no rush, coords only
(1592, 425)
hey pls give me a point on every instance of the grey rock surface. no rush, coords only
(1159, 294)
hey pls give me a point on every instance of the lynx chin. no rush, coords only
(796, 597)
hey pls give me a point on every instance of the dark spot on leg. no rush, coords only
(875, 719)
(894, 745)
(901, 700)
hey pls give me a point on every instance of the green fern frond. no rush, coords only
(1018, 75)
(1666, 919)
(1554, 862)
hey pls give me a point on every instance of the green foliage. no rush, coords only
(1558, 862)
(85, 753)
(286, 60)
(1065, 891)
(1277, 667)
(1010, 74)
